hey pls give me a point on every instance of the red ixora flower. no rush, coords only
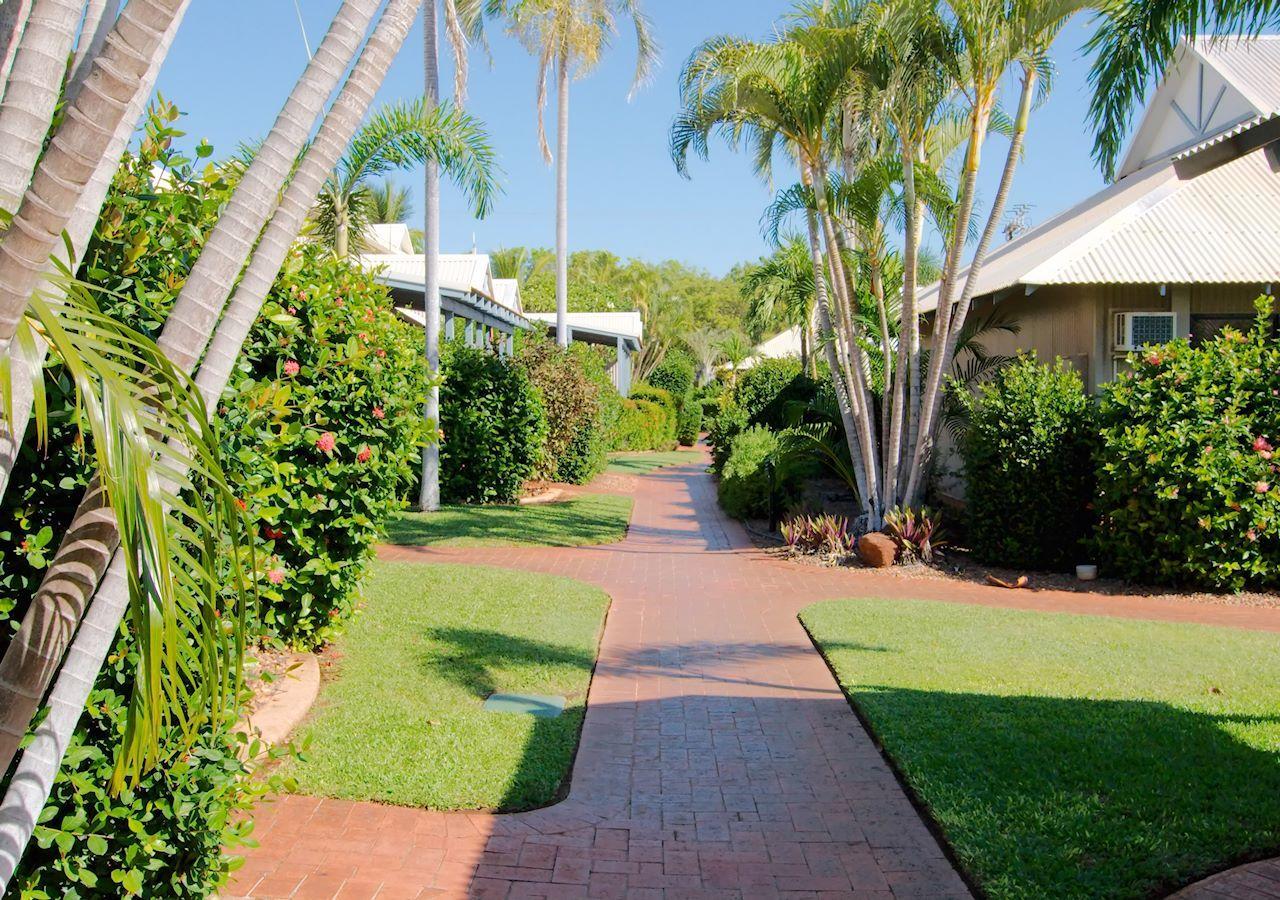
(326, 442)
(271, 534)
(276, 576)
(292, 368)
(364, 455)
(1262, 447)
(1155, 359)
(1261, 487)
(378, 413)
(240, 503)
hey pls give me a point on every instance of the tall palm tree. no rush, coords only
(704, 344)
(13, 19)
(38, 766)
(571, 36)
(1134, 42)
(779, 291)
(736, 349)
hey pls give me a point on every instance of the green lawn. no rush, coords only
(402, 723)
(1070, 756)
(589, 519)
(640, 463)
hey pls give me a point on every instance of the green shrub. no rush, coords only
(727, 424)
(1188, 480)
(493, 423)
(1028, 466)
(574, 450)
(689, 424)
(675, 375)
(643, 425)
(774, 392)
(752, 483)
(322, 433)
(661, 396)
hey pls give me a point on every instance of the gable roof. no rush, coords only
(460, 273)
(1212, 84)
(507, 292)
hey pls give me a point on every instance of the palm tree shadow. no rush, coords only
(1082, 797)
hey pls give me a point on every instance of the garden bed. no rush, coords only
(1068, 755)
(400, 717)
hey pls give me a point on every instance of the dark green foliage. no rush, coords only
(1028, 466)
(328, 365)
(753, 484)
(1188, 480)
(494, 427)
(675, 375)
(775, 392)
(571, 383)
(689, 424)
(662, 397)
(721, 430)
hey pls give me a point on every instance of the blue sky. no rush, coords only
(624, 194)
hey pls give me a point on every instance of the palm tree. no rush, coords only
(736, 349)
(13, 19)
(571, 35)
(1135, 40)
(779, 291)
(704, 344)
(519, 263)
(397, 136)
(389, 203)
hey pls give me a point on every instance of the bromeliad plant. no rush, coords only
(825, 534)
(916, 532)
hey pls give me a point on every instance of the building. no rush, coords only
(1182, 243)
(622, 331)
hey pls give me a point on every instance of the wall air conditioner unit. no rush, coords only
(1135, 330)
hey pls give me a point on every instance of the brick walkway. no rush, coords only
(718, 756)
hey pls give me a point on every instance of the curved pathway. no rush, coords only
(718, 758)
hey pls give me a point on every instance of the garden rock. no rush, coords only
(877, 550)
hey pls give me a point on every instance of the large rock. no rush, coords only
(877, 550)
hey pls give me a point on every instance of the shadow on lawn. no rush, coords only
(1056, 797)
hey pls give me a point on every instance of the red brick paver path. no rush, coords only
(718, 756)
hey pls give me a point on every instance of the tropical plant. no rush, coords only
(755, 482)
(389, 203)
(397, 136)
(825, 534)
(917, 533)
(780, 292)
(519, 263)
(573, 402)
(704, 344)
(572, 36)
(736, 349)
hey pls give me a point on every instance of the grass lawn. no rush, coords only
(639, 463)
(1070, 756)
(589, 519)
(402, 723)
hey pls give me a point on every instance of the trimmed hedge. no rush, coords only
(643, 425)
(493, 425)
(689, 424)
(572, 398)
(1188, 477)
(675, 375)
(727, 424)
(1028, 466)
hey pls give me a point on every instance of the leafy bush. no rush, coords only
(661, 396)
(574, 450)
(675, 375)
(823, 534)
(1028, 465)
(1188, 480)
(774, 392)
(322, 431)
(728, 423)
(643, 425)
(916, 532)
(752, 483)
(689, 424)
(493, 423)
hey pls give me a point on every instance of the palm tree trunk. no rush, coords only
(429, 497)
(79, 232)
(952, 338)
(903, 405)
(194, 315)
(342, 229)
(562, 198)
(35, 82)
(98, 19)
(73, 575)
(73, 154)
(41, 759)
(13, 19)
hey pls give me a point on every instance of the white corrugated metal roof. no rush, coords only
(392, 237)
(507, 292)
(624, 324)
(1226, 135)
(466, 273)
(780, 346)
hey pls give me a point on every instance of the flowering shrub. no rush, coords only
(323, 428)
(493, 423)
(916, 532)
(1188, 475)
(1028, 464)
(572, 384)
(825, 534)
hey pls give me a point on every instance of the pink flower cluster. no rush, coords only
(291, 368)
(326, 442)
(1262, 447)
